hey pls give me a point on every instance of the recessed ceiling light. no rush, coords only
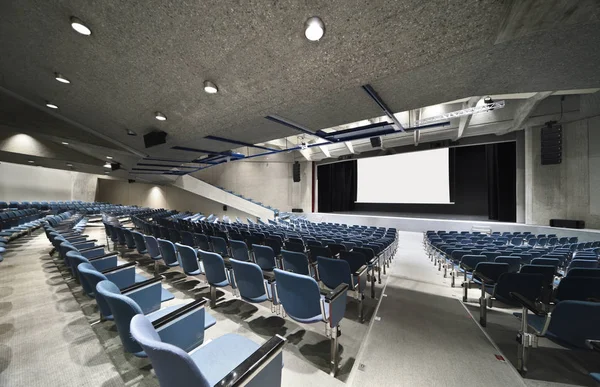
(69, 165)
(131, 132)
(31, 161)
(51, 105)
(109, 157)
(65, 143)
(80, 27)
(159, 116)
(314, 29)
(107, 165)
(107, 172)
(61, 78)
(210, 87)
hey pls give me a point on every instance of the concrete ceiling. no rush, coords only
(155, 55)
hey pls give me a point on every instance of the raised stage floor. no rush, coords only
(416, 215)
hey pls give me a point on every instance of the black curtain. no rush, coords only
(502, 181)
(337, 186)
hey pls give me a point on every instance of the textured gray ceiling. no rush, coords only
(154, 55)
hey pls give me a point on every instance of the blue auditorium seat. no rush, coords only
(188, 259)
(222, 361)
(187, 319)
(334, 272)
(302, 301)
(216, 273)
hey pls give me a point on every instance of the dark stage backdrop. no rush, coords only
(337, 186)
(482, 184)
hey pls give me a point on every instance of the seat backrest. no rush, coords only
(152, 245)
(514, 263)
(336, 248)
(93, 277)
(355, 259)
(574, 322)
(333, 272)
(546, 262)
(264, 257)
(529, 286)
(491, 255)
(582, 263)
(546, 270)
(201, 241)
(140, 243)
(578, 289)
(188, 259)
(187, 238)
(168, 252)
(219, 245)
(583, 272)
(299, 294)
(295, 262)
(249, 280)
(129, 238)
(239, 250)
(214, 267)
(492, 270)
(172, 365)
(473, 260)
(292, 246)
(123, 309)
(319, 251)
(274, 242)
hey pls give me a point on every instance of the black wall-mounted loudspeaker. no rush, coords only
(375, 142)
(297, 210)
(115, 166)
(131, 181)
(155, 138)
(296, 171)
(225, 207)
(551, 143)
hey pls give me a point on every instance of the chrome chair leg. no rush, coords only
(334, 351)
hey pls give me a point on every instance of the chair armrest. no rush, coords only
(593, 344)
(362, 270)
(84, 242)
(103, 256)
(483, 278)
(255, 363)
(91, 248)
(337, 292)
(178, 313)
(269, 276)
(141, 284)
(528, 304)
(466, 267)
(128, 264)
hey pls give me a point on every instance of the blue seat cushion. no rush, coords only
(595, 376)
(220, 356)
(314, 319)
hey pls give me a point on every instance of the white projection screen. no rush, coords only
(413, 177)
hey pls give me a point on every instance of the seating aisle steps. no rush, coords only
(425, 336)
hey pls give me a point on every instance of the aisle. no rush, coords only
(45, 339)
(424, 335)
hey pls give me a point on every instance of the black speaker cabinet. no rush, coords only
(155, 138)
(375, 142)
(551, 144)
(296, 171)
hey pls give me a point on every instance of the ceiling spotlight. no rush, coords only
(210, 87)
(59, 77)
(107, 165)
(488, 100)
(131, 132)
(79, 26)
(51, 105)
(314, 29)
(159, 116)
(65, 143)
(106, 172)
(109, 157)
(69, 165)
(31, 161)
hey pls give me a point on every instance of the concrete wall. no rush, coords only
(29, 183)
(563, 191)
(161, 196)
(266, 179)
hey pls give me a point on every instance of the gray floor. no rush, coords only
(421, 334)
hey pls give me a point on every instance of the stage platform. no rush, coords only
(422, 224)
(417, 215)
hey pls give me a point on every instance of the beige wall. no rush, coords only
(161, 196)
(563, 191)
(29, 183)
(266, 179)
